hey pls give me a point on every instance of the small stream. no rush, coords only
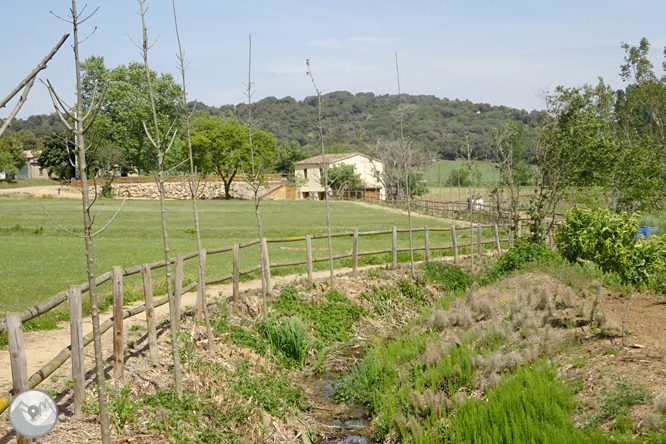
(351, 421)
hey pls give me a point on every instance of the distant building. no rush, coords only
(309, 171)
(31, 169)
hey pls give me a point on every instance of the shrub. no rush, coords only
(596, 235)
(518, 257)
(288, 336)
(450, 276)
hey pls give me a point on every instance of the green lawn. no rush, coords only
(40, 260)
(23, 183)
(438, 173)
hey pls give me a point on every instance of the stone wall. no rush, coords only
(181, 190)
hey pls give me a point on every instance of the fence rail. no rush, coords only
(13, 321)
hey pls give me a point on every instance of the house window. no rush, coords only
(305, 173)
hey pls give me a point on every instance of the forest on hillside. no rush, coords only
(356, 122)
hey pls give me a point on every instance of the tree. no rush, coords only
(26, 85)
(12, 156)
(222, 146)
(81, 123)
(58, 156)
(127, 104)
(343, 178)
(286, 156)
(320, 132)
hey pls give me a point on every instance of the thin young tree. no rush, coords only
(194, 184)
(320, 128)
(25, 85)
(162, 140)
(255, 178)
(407, 159)
(82, 121)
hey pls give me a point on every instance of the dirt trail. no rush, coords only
(51, 190)
(42, 346)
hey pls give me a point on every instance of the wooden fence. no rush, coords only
(488, 213)
(12, 323)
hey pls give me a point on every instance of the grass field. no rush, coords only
(41, 260)
(438, 173)
(6, 184)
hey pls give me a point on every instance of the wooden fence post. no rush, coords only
(17, 359)
(201, 284)
(520, 229)
(497, 239)
(151, 324)
(178, 288)
(479, 242)
(308, 259)
(236, 276)
(267, 266)
(550, 236)
(76, 335)
(118, 335)
(426, 235)
(394, 248)
(355, 254)
(455, 244)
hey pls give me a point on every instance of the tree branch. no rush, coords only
(112, 219)
(60, 226)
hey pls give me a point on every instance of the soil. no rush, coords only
(51, 190)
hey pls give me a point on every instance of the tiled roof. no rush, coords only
(330, 158)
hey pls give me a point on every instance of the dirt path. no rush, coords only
(51, 190)
(42, 346)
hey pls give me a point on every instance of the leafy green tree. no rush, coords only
(58, 156)
(343, 178)
(286, 156)
(127, 106)
(12, 156)
(221, 146)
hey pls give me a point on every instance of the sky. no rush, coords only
(501, 52)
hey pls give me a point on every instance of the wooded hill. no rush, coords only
(358, 121)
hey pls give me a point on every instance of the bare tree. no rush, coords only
(324, 172)
(256, 177)
(504, 139)
(195, 185)
(162, 141)
(26, 85)
(82, 123)
(407, 155)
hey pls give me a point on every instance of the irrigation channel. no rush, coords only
(351, 420)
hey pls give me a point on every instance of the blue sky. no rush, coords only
(502, 52)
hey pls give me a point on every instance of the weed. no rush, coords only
(288, 336)
(625, 393)
(518, 257)
(246, 337)
(447, 275)
(272, 393)
(137, 327)
(331, 321)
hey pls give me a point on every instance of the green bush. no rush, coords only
(596, 235)
(447, 275)
(518, 257)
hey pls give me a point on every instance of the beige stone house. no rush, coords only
(31, 169)
(308, 173)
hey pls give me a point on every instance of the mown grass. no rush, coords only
(24, 183)
(42, 260)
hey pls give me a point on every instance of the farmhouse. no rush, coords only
(308, 173)
(31, 169)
